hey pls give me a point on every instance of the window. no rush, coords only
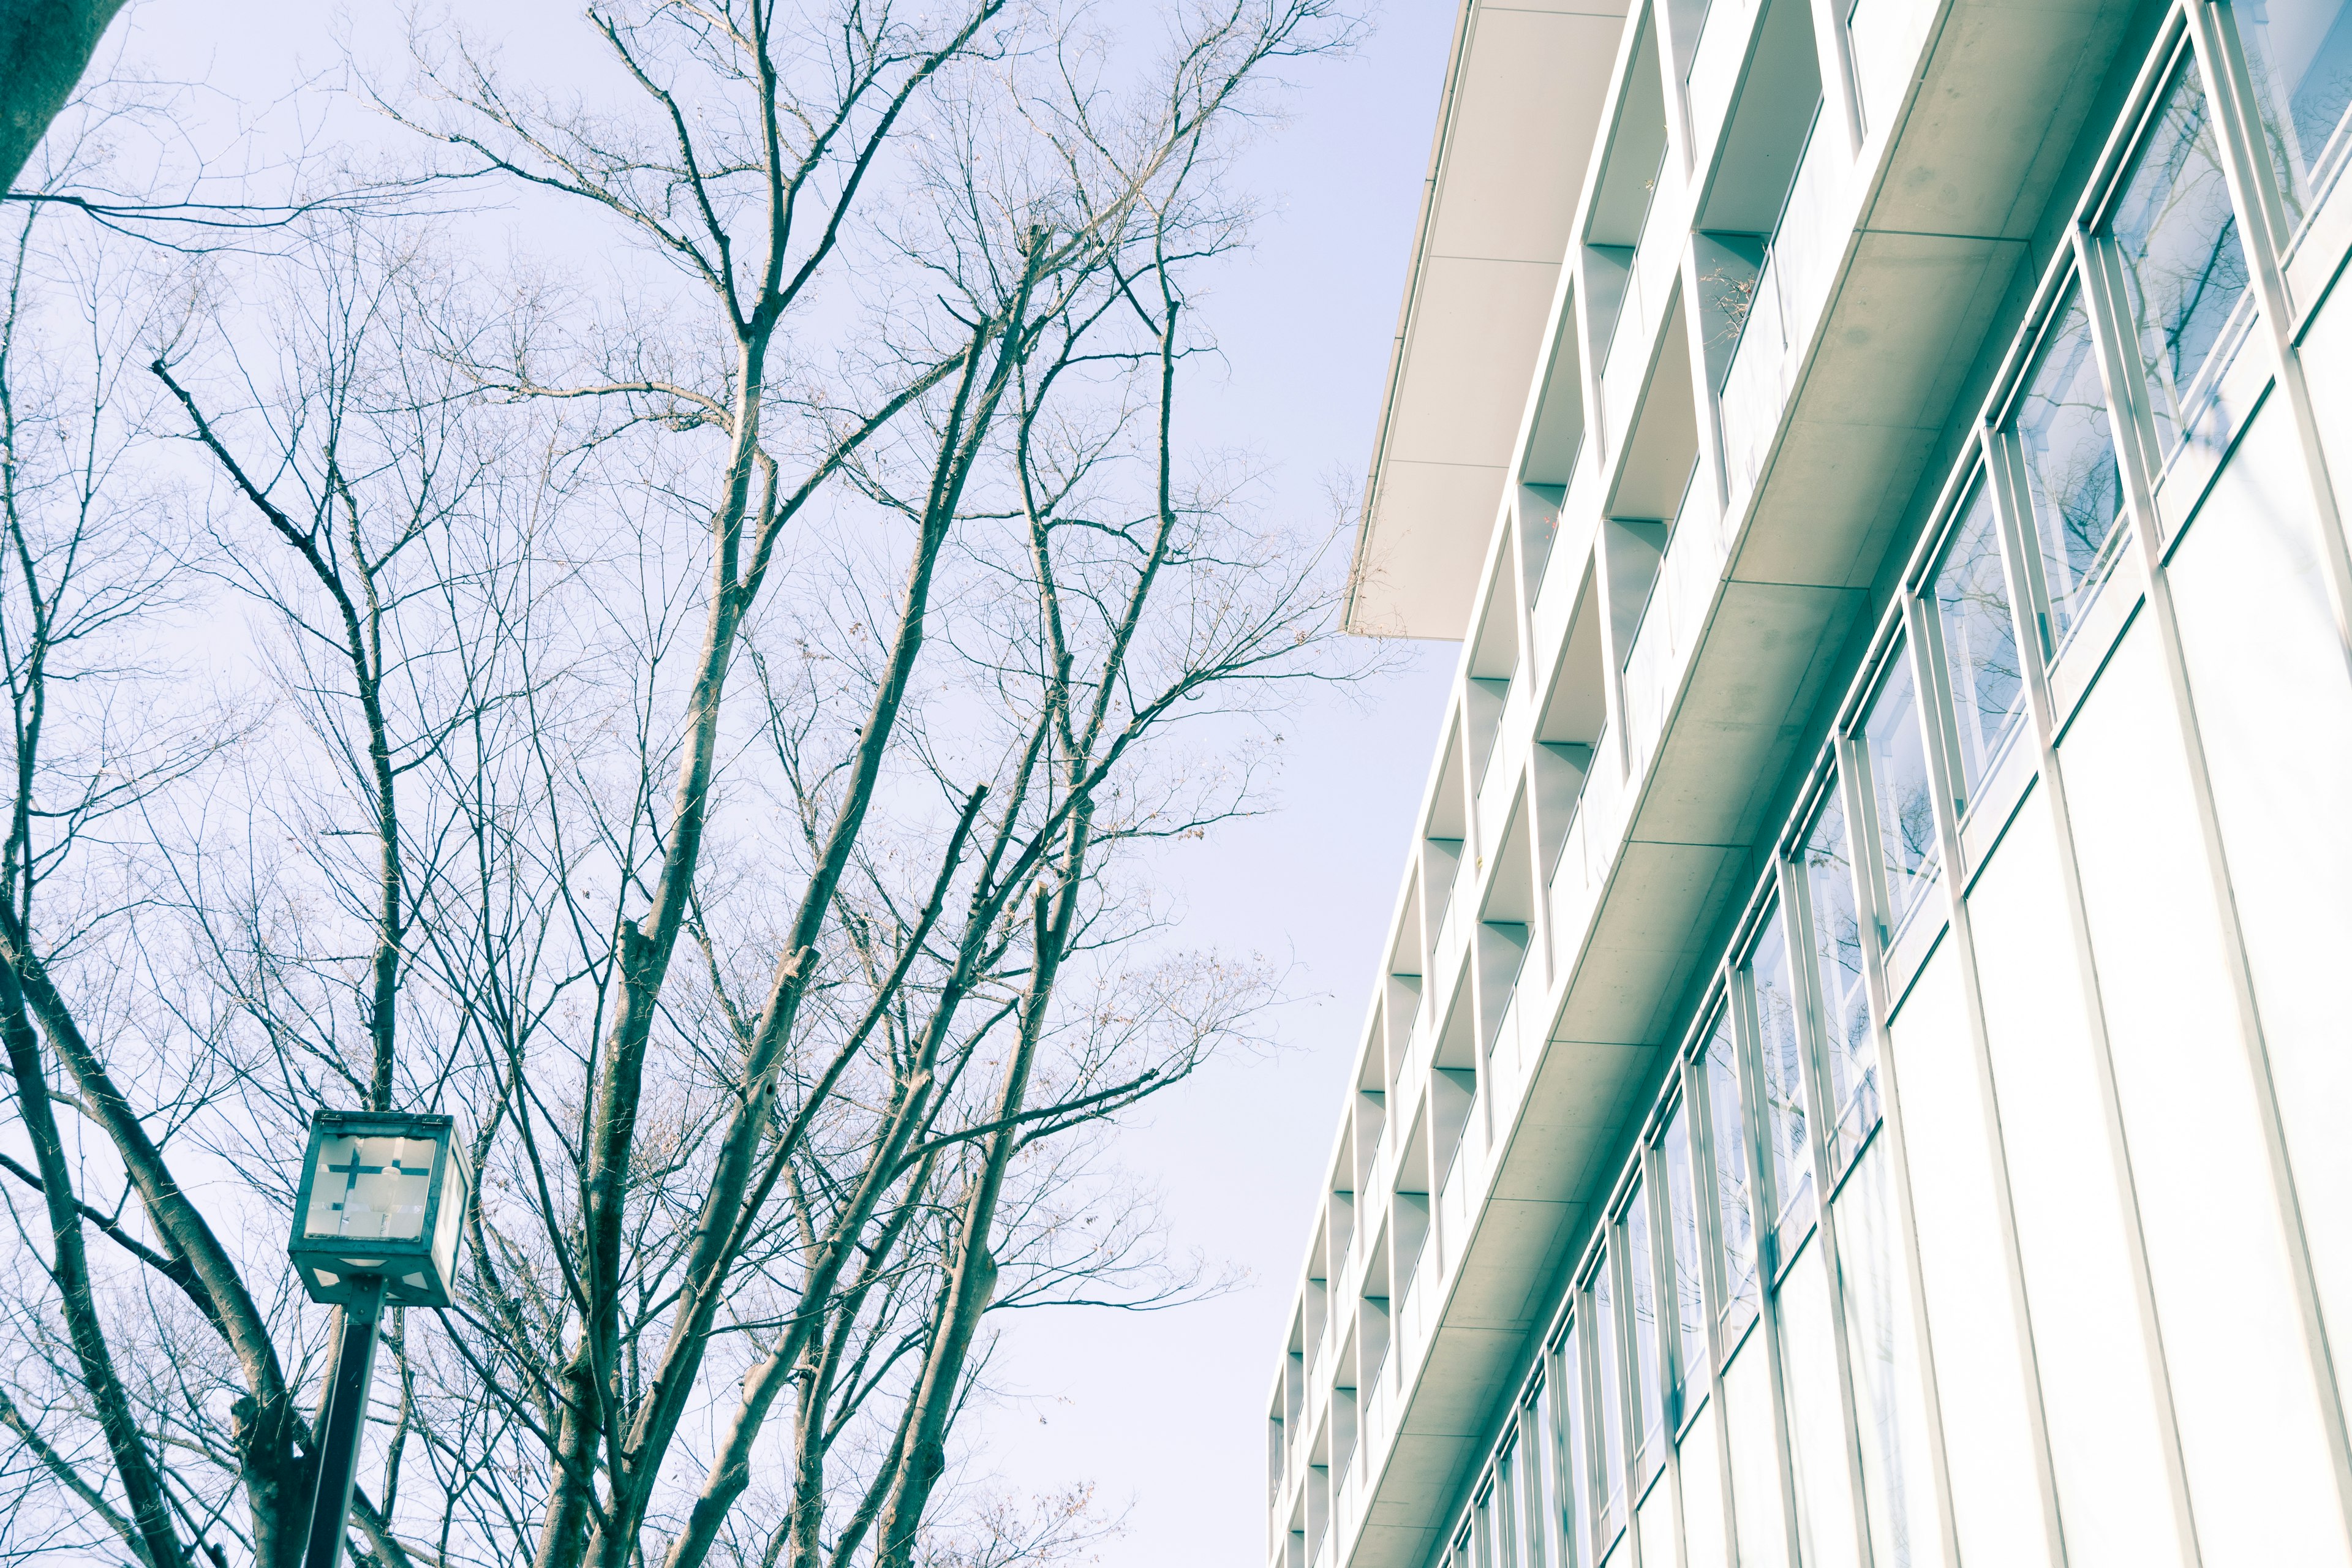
(1896, 751)
(1978, 631)
(1847, 1042)
(1611, 1411)
(2184, 265)
(2299, 53)
(2073, 487)
(1542, 1449)
(1638, 1263)
(1682, 1220)
(1735, 1213)
(1575, 1456)
(1779, 1047)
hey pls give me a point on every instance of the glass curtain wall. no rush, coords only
(1843, 999)
(1689, 1294)
(2181, 259)
(2073, 487)
(2299, 57)
(1975, 621)
(1727, 1140)
(1740, 1145)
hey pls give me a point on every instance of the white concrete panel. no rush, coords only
(2008, 86)
(1419, 571)
(1906, 327)
(1571, 1115)
(2209, 1218)
(1984, 1387)
(1886, 1367)
(1657, 1528)
(1459, 1382)
(1504, 1280)
(1647, 939)
(1756, 677)
(1836, 490)
(2107, 1431)
(1522, 133)
(1477, 324)
(2266, 670)
(1826, 1520)
(2328, 370)
(1759, 1510)
(1705, 1521)
(1420, 1479)
(1393, 1546)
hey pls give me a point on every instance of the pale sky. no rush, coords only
(1165, 1412)
(1169, 1409)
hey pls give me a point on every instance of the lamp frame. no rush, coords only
(324, 1263)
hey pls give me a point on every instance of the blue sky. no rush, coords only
(1167, 1409)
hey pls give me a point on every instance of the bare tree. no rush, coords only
(719, 739)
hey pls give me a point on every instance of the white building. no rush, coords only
(1861, 1072)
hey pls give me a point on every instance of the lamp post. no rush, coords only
(377, 1222)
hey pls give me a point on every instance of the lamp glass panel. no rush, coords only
(369, 1189)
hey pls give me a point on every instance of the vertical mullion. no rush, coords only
(1596, 1420)
(1764, 1205)
(1667, 1279)
(1621, 1304)
(1839, 83)
(1763, 1189)
(1666, 1292)
(2118, 376)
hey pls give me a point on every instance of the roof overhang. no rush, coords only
(1524, 93)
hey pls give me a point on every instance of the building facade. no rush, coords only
(1860, 1072)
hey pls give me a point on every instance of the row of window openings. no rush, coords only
(1628, 1367)
(2173, 240)
(2181, 271)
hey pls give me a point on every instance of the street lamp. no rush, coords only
(376, 1220)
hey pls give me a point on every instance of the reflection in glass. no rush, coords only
(2184, 266)
(1734, 1213)
(1576, 1457)
(1980, 637)
(1846, 1040)
(2071, 479)
(1613, 1400)
(1781, 1047)
(370, 1188)
(1690, 1296)
(2299, 53)
(1639, 1263)
(1897, 751)
(1506, 1526)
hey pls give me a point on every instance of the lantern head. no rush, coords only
(383, 1196)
